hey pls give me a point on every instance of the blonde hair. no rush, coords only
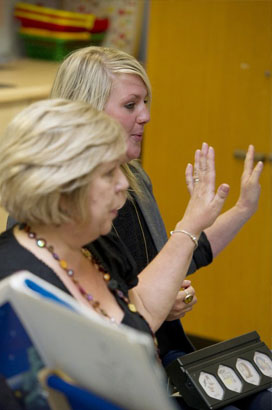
(87, 75)
(50, 151)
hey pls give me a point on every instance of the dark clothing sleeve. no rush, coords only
(202, 255)
(141, 223)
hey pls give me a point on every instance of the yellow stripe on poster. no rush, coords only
(55, 34)
(58, 13)
(87, 23)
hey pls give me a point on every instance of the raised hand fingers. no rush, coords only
(249, 170)
(189, 178)
(199, 169)
(204, 167)
(203, 157)
(257, 172)
(197, 163)
(250, 186)
(211, 167)
(249, 162)
(204, 205)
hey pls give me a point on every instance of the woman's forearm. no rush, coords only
(160, 282)
(225, 228)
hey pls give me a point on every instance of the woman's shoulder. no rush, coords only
(14, 257)
(10, 252)
(7, 243)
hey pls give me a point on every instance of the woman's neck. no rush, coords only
(61, 249)
(66, 238)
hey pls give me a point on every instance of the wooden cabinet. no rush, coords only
(21, 83)
(210, 67)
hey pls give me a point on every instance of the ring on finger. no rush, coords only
(196, 179)
(188, 298)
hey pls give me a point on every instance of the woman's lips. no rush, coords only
(137, 137)
(114, 212)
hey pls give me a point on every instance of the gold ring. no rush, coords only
(188, 298)
(196, 179)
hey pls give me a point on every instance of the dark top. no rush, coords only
(170, 336)
(135, 234)
(133, 228)
(15, 257)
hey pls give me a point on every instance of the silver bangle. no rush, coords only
(194, 239)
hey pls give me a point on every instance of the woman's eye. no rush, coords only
(130, 106)
(110, 173)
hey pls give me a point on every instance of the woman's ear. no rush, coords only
(65, 205)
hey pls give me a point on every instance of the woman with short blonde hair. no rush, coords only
(49, 151)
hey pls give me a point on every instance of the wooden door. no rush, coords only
(210, 67)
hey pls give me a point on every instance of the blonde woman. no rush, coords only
(61, 178)
(115, 82)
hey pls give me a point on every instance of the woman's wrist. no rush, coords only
(189, 234)
(189, 227)
(244, 212)
(186, 230)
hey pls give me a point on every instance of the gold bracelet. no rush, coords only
(194, 239)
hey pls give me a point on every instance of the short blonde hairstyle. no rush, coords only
(50, 151)
(87, 75)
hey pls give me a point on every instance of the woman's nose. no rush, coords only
(144, 115)
(122, 182)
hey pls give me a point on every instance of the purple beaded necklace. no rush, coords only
(111, 283)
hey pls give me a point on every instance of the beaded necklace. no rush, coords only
(111, 283)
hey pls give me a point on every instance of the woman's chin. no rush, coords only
(106, 230)
(133, 152)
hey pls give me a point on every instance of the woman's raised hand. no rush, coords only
(205, 203)
(250, 186)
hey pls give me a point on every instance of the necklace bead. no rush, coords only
(63, 264)
(55, 256)
(132, 307)
(106, 276)
(41, 242)
(112, 284)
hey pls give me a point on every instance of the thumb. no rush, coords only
(221, 195)
(223, 191)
